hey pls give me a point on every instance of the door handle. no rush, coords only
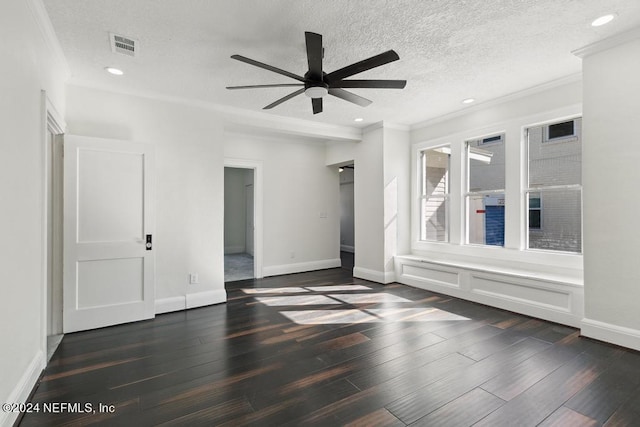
(149, 244)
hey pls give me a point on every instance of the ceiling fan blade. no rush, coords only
(317, 105)
(273, 85)
(348, 96)
(370, 84)
(285, 98)
(364, 65)
(314, 54)
(267, 67)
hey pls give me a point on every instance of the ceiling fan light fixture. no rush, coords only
(316, 91)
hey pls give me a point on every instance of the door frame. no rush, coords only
(53, 122)
(256, 165)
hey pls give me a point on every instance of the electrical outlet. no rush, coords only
(194, 279)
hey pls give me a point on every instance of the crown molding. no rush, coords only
(41, 17)
(383, 124)
(607, 43)
(250, 119)
(571, 78)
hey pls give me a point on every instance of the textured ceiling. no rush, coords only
(449, 50)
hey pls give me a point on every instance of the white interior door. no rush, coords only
(108, 222)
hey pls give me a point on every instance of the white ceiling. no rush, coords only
(449, 50)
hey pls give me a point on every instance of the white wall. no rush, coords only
(188, 142)
(369, 206)
(301, 224)
(28, 66)
(397, 180)
(235, 207)
(381, 197)
(611, 155)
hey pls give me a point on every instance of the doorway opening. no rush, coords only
(53, 220)
(239, 224)
(347, 223)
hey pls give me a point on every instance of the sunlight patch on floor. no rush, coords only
(368, 298)
(297, 290)
(339, 288)
(328, 317)
(340, 316)
(427, 314)
(297, 300)
(256, 291)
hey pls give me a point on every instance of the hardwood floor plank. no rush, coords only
(546, 396)
(603, 396)
(565, 417)
(426, 400)
(517, 379)
(463, 411)
(379, 418)
(376, 397)
(628, 413)
(483, 349)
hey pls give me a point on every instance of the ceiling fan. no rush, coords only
(316, 83)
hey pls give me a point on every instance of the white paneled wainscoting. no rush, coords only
(553, 297)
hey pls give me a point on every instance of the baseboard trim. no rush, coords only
(347, 248)
(614, 334)
(201, 299)
(185, 302)
(22, 390)
(167, 305)
(383, 277)
(300, 267)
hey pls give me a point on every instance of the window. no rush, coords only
(485, 190)
(554, 193)
(434, 194)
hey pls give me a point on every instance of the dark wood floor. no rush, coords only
(323, 348)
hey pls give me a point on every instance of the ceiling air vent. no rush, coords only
(124, 45)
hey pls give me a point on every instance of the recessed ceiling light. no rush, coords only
(358, 119)
(468, 101)
(114, 71)
(603, 20)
